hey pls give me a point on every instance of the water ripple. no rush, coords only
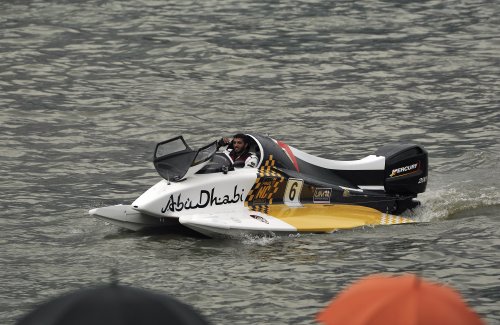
(87, 88)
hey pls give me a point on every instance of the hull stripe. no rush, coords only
(289, 154)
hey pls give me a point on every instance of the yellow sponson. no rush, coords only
(327, 218)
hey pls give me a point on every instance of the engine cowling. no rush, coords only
(406, 168)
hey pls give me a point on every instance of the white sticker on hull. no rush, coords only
(292, 192)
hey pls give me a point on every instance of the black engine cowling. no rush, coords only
(406, 168)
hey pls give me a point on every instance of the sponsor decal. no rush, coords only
(266, 186)
(264, 191)
(206, 198)
(322, 195)
(405, 170)
(346, 193)
(261, 219)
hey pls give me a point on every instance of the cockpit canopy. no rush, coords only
(175, 160)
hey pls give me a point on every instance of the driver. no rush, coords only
(240, 154)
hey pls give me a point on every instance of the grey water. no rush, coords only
(87, 88)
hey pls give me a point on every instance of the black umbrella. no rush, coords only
(113, 304)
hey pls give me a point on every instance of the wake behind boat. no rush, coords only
(283, 191)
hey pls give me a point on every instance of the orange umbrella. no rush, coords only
(401, 300)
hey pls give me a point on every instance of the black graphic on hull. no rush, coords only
(207, 198)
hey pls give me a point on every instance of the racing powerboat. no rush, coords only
(289, 191)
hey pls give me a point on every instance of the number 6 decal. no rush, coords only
(292, 192)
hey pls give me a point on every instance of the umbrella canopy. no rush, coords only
(401, 300)
(113, 304)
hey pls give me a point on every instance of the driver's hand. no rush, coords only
(223, 142)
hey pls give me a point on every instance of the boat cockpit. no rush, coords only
(174, 160)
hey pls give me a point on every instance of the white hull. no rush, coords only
(205, 192)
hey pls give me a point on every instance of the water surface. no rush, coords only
(88, 88)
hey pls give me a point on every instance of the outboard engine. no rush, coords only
(406, 168)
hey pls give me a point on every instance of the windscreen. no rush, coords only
(171, 146)
(174, 160)
(205, 153)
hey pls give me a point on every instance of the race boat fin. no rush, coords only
(126, 217)
(236, 224)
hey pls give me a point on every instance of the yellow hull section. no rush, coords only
(328, 218)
